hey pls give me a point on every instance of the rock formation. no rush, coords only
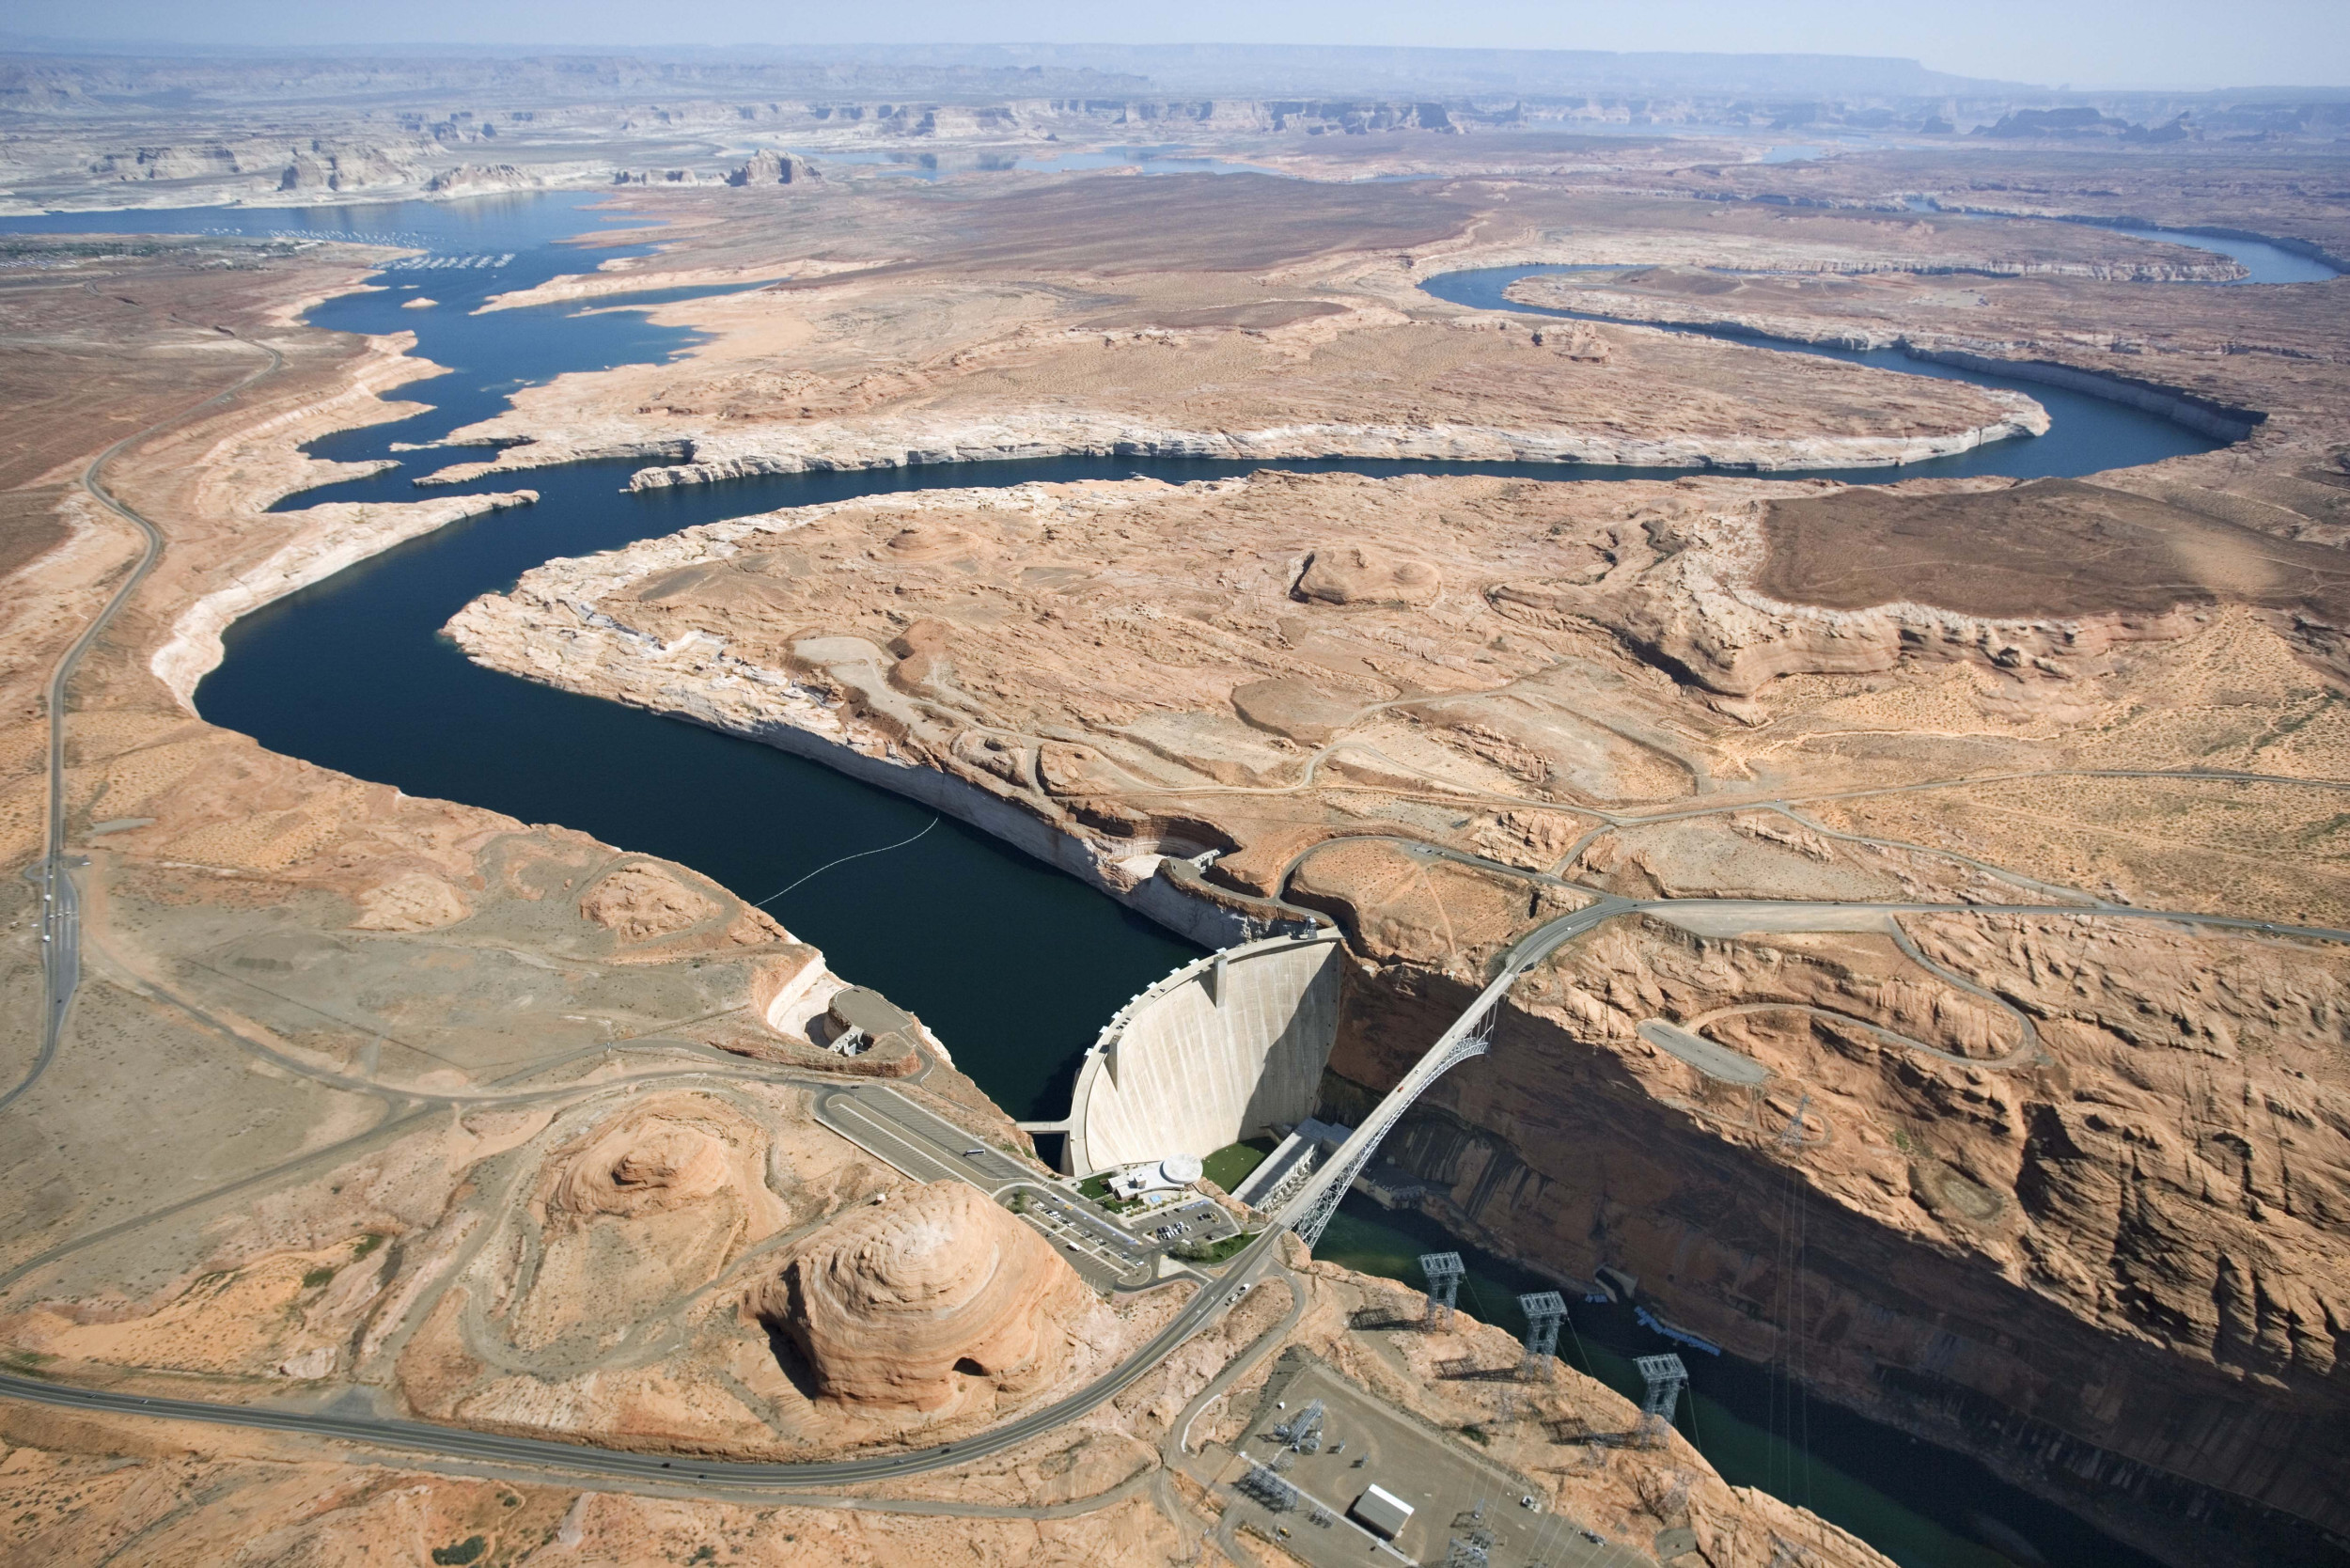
(1714, 688)
(647, 1164)
(2073, 1180)
(637, 903)
(1365, 575)
(769, 168)
(477, 178)
(931, 1302)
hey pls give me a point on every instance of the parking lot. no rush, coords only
(1185, 1223)
(1092, 1242)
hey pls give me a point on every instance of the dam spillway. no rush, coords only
(1223, 1049)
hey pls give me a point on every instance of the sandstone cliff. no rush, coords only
(1420, 705)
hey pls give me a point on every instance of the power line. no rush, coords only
(843, 861)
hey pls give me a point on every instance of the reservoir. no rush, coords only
(1013, 964)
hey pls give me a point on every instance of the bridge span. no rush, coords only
(1307, 1212)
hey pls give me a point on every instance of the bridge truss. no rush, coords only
(1309, 1214)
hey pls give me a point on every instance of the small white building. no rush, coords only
(1382, 1512)
(1170, 1175)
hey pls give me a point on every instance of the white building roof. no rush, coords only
(1383, 1511)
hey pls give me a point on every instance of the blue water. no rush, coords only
(512, 221)
(2084, 433)
(921, 166)
(2263, 262)
(1015, 964)
(1164, 159)
(1919, 1505)
(2266, 263)
(1033, 960)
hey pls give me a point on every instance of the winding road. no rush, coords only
(61, 912)
(709, 1475)
(62, 968)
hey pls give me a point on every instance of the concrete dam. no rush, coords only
(1223, 1049)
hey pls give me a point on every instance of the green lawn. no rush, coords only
(1098, 1189)
(1211, 1252)
(1230, 1166)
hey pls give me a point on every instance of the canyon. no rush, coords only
(496, 1125)
(1951, 692)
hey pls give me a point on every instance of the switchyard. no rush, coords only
(1338, 1475)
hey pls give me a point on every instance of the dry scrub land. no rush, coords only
(408, 1105)
(1419, 706)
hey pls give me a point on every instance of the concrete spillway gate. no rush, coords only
(1225, 1048)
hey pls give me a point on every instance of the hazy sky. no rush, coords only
(2193, 43)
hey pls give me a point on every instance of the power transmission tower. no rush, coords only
(1545, 1312)
(1665, 1377)
(1444, 1272)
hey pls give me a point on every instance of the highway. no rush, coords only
(908, 1138)
(927, 1148)
(710, 1475)
(870, 1115)
(60, 914)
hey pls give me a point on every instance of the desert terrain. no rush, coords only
(1980, 848)
(1426, 707)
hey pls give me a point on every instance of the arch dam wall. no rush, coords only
(1224, 1049)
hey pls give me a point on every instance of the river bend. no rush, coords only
(1016, 965)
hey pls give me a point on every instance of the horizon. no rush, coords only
(2086, 46)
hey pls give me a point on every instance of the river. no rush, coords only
(1014, 964)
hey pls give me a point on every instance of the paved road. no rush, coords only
(60, 954)
(61, 922)
(931, 1148)
(910, 1138)
(928, 1148)
(1774, 908)
(580, 1458)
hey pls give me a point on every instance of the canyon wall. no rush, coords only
(1558, 1150)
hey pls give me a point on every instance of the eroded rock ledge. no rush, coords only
(1390, 701)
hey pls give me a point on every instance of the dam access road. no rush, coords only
(60, 897)
(926, 1148)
